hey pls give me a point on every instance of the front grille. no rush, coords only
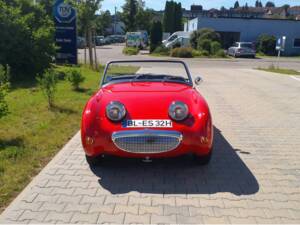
(147, 141)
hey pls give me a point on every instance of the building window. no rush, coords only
(297, 43)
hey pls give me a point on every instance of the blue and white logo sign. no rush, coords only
(64, 13)
(65, 32)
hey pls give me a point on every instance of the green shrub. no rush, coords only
(162, 50)
(221, 53)
(4, 86)
(196, 53)
(205, 33)
(266, 44)
(130, 51)
(204, 45)
(182, 52)
(75, 77)
(26, 40)
(48, 83)
(215, 47)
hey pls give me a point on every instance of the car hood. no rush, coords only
(144, 100)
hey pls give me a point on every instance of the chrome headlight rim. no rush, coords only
(115, 105)
(172, 108)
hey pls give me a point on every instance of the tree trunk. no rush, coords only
(95, 52)
(90, 45)
(85, 35)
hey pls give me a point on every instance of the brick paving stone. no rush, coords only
(137, 219)
(84, 208)
(30, 215)
(133, 209)
(177, 210)
(90, 218)
(111, 218)
(58, 216)
(139, 200)
(163, 219)
(189, 219)
(237, 220)
(109, 209)
(144, 209)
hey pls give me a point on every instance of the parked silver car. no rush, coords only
(241, 49)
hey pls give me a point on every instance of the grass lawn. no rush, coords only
(31, 134)
(281, 71)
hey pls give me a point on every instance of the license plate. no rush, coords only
(147, 123)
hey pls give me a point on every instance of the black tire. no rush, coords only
(203, 160)
(94, 161)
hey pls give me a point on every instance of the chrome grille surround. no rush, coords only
(147, 141)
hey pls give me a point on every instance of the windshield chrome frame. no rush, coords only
(190, 83)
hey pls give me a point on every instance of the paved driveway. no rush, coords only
(254, 175)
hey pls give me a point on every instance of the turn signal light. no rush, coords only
(89, 141)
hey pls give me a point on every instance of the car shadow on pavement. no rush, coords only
(225, 173)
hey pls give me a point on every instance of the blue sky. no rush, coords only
(207, 4)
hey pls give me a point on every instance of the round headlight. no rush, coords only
(178, 111)
(115, 111)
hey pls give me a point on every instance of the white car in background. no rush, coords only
(242, 49)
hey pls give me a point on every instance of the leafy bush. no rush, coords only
(182, 52)
(4, 86)
(76, 78)
(204, 45)
(202, 53)
(26, 40)
(156, 33)
(215, 47)
(48, 83)
(130, 51)
(221, 53)
(266, 44)
(162, 50)
(205, 33)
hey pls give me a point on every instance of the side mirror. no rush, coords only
(198, 80)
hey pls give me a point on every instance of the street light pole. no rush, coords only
(115, 20)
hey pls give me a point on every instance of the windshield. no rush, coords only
(155, 71)
(246, 45)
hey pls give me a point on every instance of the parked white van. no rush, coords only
(180, 37)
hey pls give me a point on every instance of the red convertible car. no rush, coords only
(154, 112)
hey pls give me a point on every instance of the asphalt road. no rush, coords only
(114, 52)
(254, 175)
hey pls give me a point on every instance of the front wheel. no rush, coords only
(204, 159)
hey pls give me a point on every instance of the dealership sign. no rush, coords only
(65, 32)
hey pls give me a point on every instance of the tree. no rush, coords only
(266, 44)
(48, 6)
(236, 4)
(130, 9)
(204, 33)
(172, 20)
(178, 17)
(246, 6)
(103, 22)
(144, 19)
(155, 35)
(87, 19)
(26, 40)
(270, 4)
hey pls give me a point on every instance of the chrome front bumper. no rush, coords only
(147, 141)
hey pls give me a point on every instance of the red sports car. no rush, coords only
(154, 112)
